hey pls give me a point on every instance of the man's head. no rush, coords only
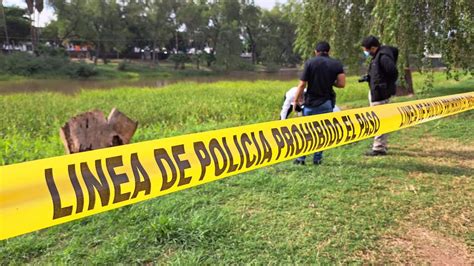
(322, 48)
(371, 44)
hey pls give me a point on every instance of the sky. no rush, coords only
(48, 14)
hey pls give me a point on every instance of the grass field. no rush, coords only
(414, 205)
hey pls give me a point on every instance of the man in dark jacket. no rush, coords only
(381, 76)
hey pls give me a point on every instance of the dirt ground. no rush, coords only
(414, 241)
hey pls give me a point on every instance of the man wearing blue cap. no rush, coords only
(320, 73)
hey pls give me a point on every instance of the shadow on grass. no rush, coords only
(413, 166)
(440, 153)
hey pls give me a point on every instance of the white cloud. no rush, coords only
(268, 4)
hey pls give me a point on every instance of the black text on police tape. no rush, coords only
(226, 155)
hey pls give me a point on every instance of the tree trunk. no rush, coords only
(31, 14)
(407, 74)
(153, 56)
(4, 23)
(97, 52)
(252, 46)
(254, 54)
(409, 81)
(104, 57)
(209, 58)
(33, 34)
(407, 89)
(177, 45)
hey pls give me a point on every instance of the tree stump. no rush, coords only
(91, 131)
(408, 89)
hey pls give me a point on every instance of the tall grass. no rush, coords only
(30, 122)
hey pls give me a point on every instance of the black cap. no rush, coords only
(370, 41)
(323, 47)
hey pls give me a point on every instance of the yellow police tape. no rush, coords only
(47, 192)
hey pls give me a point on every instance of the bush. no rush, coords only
(209, 58)
(236, 65)
(22, 64)
(123, 66)
(52, 64)
(81, 70)
(272, 67)
(179, 60)
(44, 50)
(25, 64)
(245, 66)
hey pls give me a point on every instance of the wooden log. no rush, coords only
(90, 131)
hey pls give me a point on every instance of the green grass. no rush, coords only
(138, 70)
(337, 212)
(13, 78)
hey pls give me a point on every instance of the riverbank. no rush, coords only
(70, 86)
(135, 74)
(118, 69)
(24, 67)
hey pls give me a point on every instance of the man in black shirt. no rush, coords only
(320, 73)
(381, 76)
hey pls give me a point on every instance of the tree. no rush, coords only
(193, 16)
(17, 24)
(453, 22)
(71, 19)
(415, 27)
(94, 21)
(214, 25)
(194, 19)
(229, 45)
(251, 23)
(419, 28)
(135, 19)
(276, 23)
(33, 5)
(227, 27)
(105, 28)
(159, 23)
(340, 22)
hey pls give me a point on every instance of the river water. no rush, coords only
(72, 86)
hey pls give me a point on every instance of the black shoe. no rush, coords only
(317, 162)
(298, 162)
(375, 153)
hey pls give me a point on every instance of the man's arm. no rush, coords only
(299, 94)
(340, 81)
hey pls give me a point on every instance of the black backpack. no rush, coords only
(395, 59)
